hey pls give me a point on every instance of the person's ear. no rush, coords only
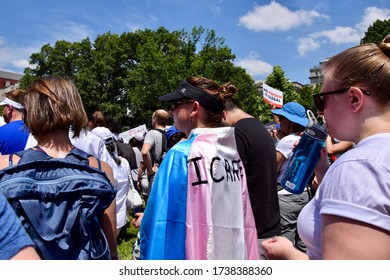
(195, 106)
(355, 98)
(224, 115)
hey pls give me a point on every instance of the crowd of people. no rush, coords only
(210, 180)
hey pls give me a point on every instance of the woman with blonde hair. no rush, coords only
(349, 217)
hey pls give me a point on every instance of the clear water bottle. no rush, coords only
(305, 157)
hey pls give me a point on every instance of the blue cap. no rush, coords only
(169, 132)
(294, 112)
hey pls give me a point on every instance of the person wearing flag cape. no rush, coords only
(199, 207)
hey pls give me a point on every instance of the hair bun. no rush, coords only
(228, 90)
(385, 45)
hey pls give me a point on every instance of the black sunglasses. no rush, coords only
(178, 103)
(319, 99)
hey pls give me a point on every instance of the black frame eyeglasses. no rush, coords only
(319, 99)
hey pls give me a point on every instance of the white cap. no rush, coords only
(139, 136)
(14, 104)
(104, 133)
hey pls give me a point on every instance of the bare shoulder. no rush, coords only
(105, 167)
(4, 160)
(94, 162)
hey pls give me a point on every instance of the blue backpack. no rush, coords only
(58, 201)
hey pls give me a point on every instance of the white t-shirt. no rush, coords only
(122, 187)
(356, 186)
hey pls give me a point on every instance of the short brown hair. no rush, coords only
(162, 117)
(97, 119)
(53, 102)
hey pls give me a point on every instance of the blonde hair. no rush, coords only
(366, 66)
(51, 103)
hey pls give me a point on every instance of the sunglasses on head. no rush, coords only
(319, 99)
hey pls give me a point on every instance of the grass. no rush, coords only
(127, 237)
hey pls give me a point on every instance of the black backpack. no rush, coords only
(126, 151)
(164, 148)
(58, 201)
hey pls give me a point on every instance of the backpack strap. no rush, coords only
(10, 160)
(163, 147)
(39, 154)
(92, 163)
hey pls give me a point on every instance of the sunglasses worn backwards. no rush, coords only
(319, 99)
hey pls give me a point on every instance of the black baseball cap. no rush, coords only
(188, 91)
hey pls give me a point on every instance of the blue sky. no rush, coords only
(295, 34)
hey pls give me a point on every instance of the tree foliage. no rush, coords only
(376, 32)
(305, 97)
(123, 75)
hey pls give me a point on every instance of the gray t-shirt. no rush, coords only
(154, 138)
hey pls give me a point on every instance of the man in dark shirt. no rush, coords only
(257, 151)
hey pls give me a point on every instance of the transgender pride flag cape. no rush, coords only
(199, 206)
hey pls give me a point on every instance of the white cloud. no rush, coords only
(15, 58)
(20, 63)
(254, 66)
(214, 6)
(371, 14)
(67, 30)
(273, 17)
(137, 22)
(342, 34)
(307, 44)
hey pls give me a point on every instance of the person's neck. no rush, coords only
(373, 119)
(242, 115)
(16, 117)
(56, 144)
(159, 126)
(236, 115)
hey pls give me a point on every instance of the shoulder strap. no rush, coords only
(38, 154)
(159, 129)
(163, 148)
(10, 160)
(85, 157)
(26, 155)
(95, 162)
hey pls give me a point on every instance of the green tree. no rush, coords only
(305, 98)
(277, 80)
(123, 75)
(376, 32)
